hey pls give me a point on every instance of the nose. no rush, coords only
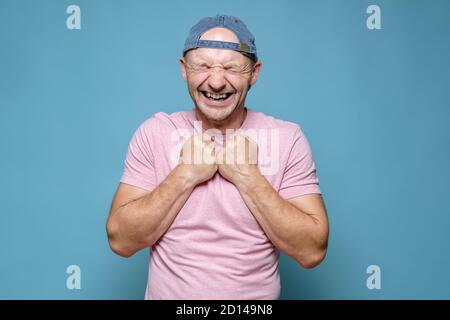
(216, 80)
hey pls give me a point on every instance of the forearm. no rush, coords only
(140, 223)
(291, 230)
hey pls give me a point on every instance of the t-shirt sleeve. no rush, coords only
(299, 176)
(139, 169)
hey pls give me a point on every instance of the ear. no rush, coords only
(183, 68)
(255, 73)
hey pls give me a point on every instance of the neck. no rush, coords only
(234, 121)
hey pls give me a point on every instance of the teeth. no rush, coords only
(215, 96)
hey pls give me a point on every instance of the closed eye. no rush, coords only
(235, 68)
(198, 66)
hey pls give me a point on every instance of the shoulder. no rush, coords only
(161, 122)
(287, 129)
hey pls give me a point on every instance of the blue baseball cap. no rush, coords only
(246, 44)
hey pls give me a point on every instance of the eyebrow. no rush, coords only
(225, 64)
(200, 60)
(233, 64)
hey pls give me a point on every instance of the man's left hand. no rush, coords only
(238, 158)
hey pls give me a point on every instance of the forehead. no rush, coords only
(217, 56)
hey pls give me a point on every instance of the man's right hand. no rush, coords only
(198, 158)
(139, 218)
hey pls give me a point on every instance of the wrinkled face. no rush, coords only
(218, 79)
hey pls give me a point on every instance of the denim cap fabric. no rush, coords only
(246, 43)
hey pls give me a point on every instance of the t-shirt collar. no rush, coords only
(245, 124)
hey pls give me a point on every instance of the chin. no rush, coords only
(215, 114)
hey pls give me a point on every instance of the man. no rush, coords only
(218, 191)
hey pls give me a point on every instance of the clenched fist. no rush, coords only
(237, 160)
(198, 158)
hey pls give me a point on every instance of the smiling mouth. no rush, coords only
(215, 96)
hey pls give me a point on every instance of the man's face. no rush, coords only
(218, 79)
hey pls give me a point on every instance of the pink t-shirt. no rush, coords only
(215, 248)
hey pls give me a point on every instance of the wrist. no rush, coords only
(187, 178)
(249, 180)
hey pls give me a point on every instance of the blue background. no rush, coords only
(374, 105)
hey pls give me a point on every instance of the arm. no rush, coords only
(138, 218)
(298, 227)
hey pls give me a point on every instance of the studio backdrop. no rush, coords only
(368, 82)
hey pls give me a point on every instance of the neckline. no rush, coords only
(192, 117)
